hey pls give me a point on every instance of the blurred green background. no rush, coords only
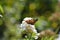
(12, 13)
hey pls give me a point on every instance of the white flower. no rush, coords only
(36, 37)
(1, 16)
(27, 18)
(25, 36)
(32, 27)
(24, 26)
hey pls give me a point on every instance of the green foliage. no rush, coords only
(13, 12)
(1, 9)
(1, 22)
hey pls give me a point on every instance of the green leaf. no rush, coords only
(1, 9)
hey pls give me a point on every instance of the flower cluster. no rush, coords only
(28, 28)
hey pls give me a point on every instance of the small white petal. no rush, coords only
(1, 16)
